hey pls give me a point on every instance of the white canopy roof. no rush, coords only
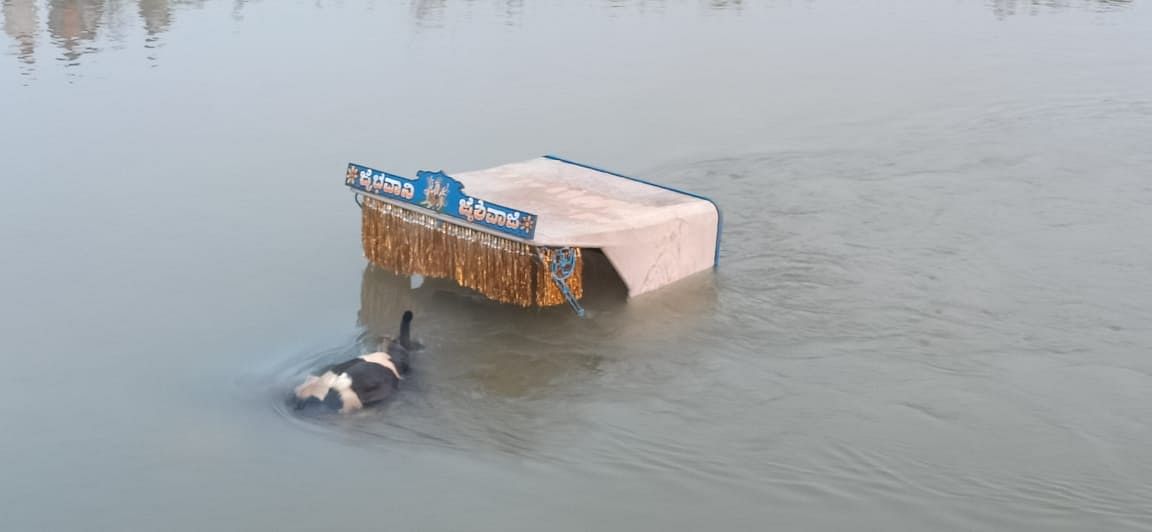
(653, 235)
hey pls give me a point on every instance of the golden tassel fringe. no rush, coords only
(501, 269)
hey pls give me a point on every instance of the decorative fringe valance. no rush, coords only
(504, 270)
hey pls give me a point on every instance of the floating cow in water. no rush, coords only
(362, 381)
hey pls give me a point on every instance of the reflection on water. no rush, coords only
(73, 24)
(518, 367)
(1007, 8)
(931, 311)
(21, 23)
(545, 346)
(437, 13)
(81, 27)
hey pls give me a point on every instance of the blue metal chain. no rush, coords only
(562, 265)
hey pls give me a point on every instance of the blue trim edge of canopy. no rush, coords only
(719, 214)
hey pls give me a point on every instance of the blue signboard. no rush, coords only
(438, 192)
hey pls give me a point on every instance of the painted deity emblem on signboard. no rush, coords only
(435, 195)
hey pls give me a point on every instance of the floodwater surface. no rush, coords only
(933, 308)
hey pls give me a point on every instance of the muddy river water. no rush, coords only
(933, 309)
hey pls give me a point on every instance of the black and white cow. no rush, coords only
(362, 381)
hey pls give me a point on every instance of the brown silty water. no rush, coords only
(931, 310)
